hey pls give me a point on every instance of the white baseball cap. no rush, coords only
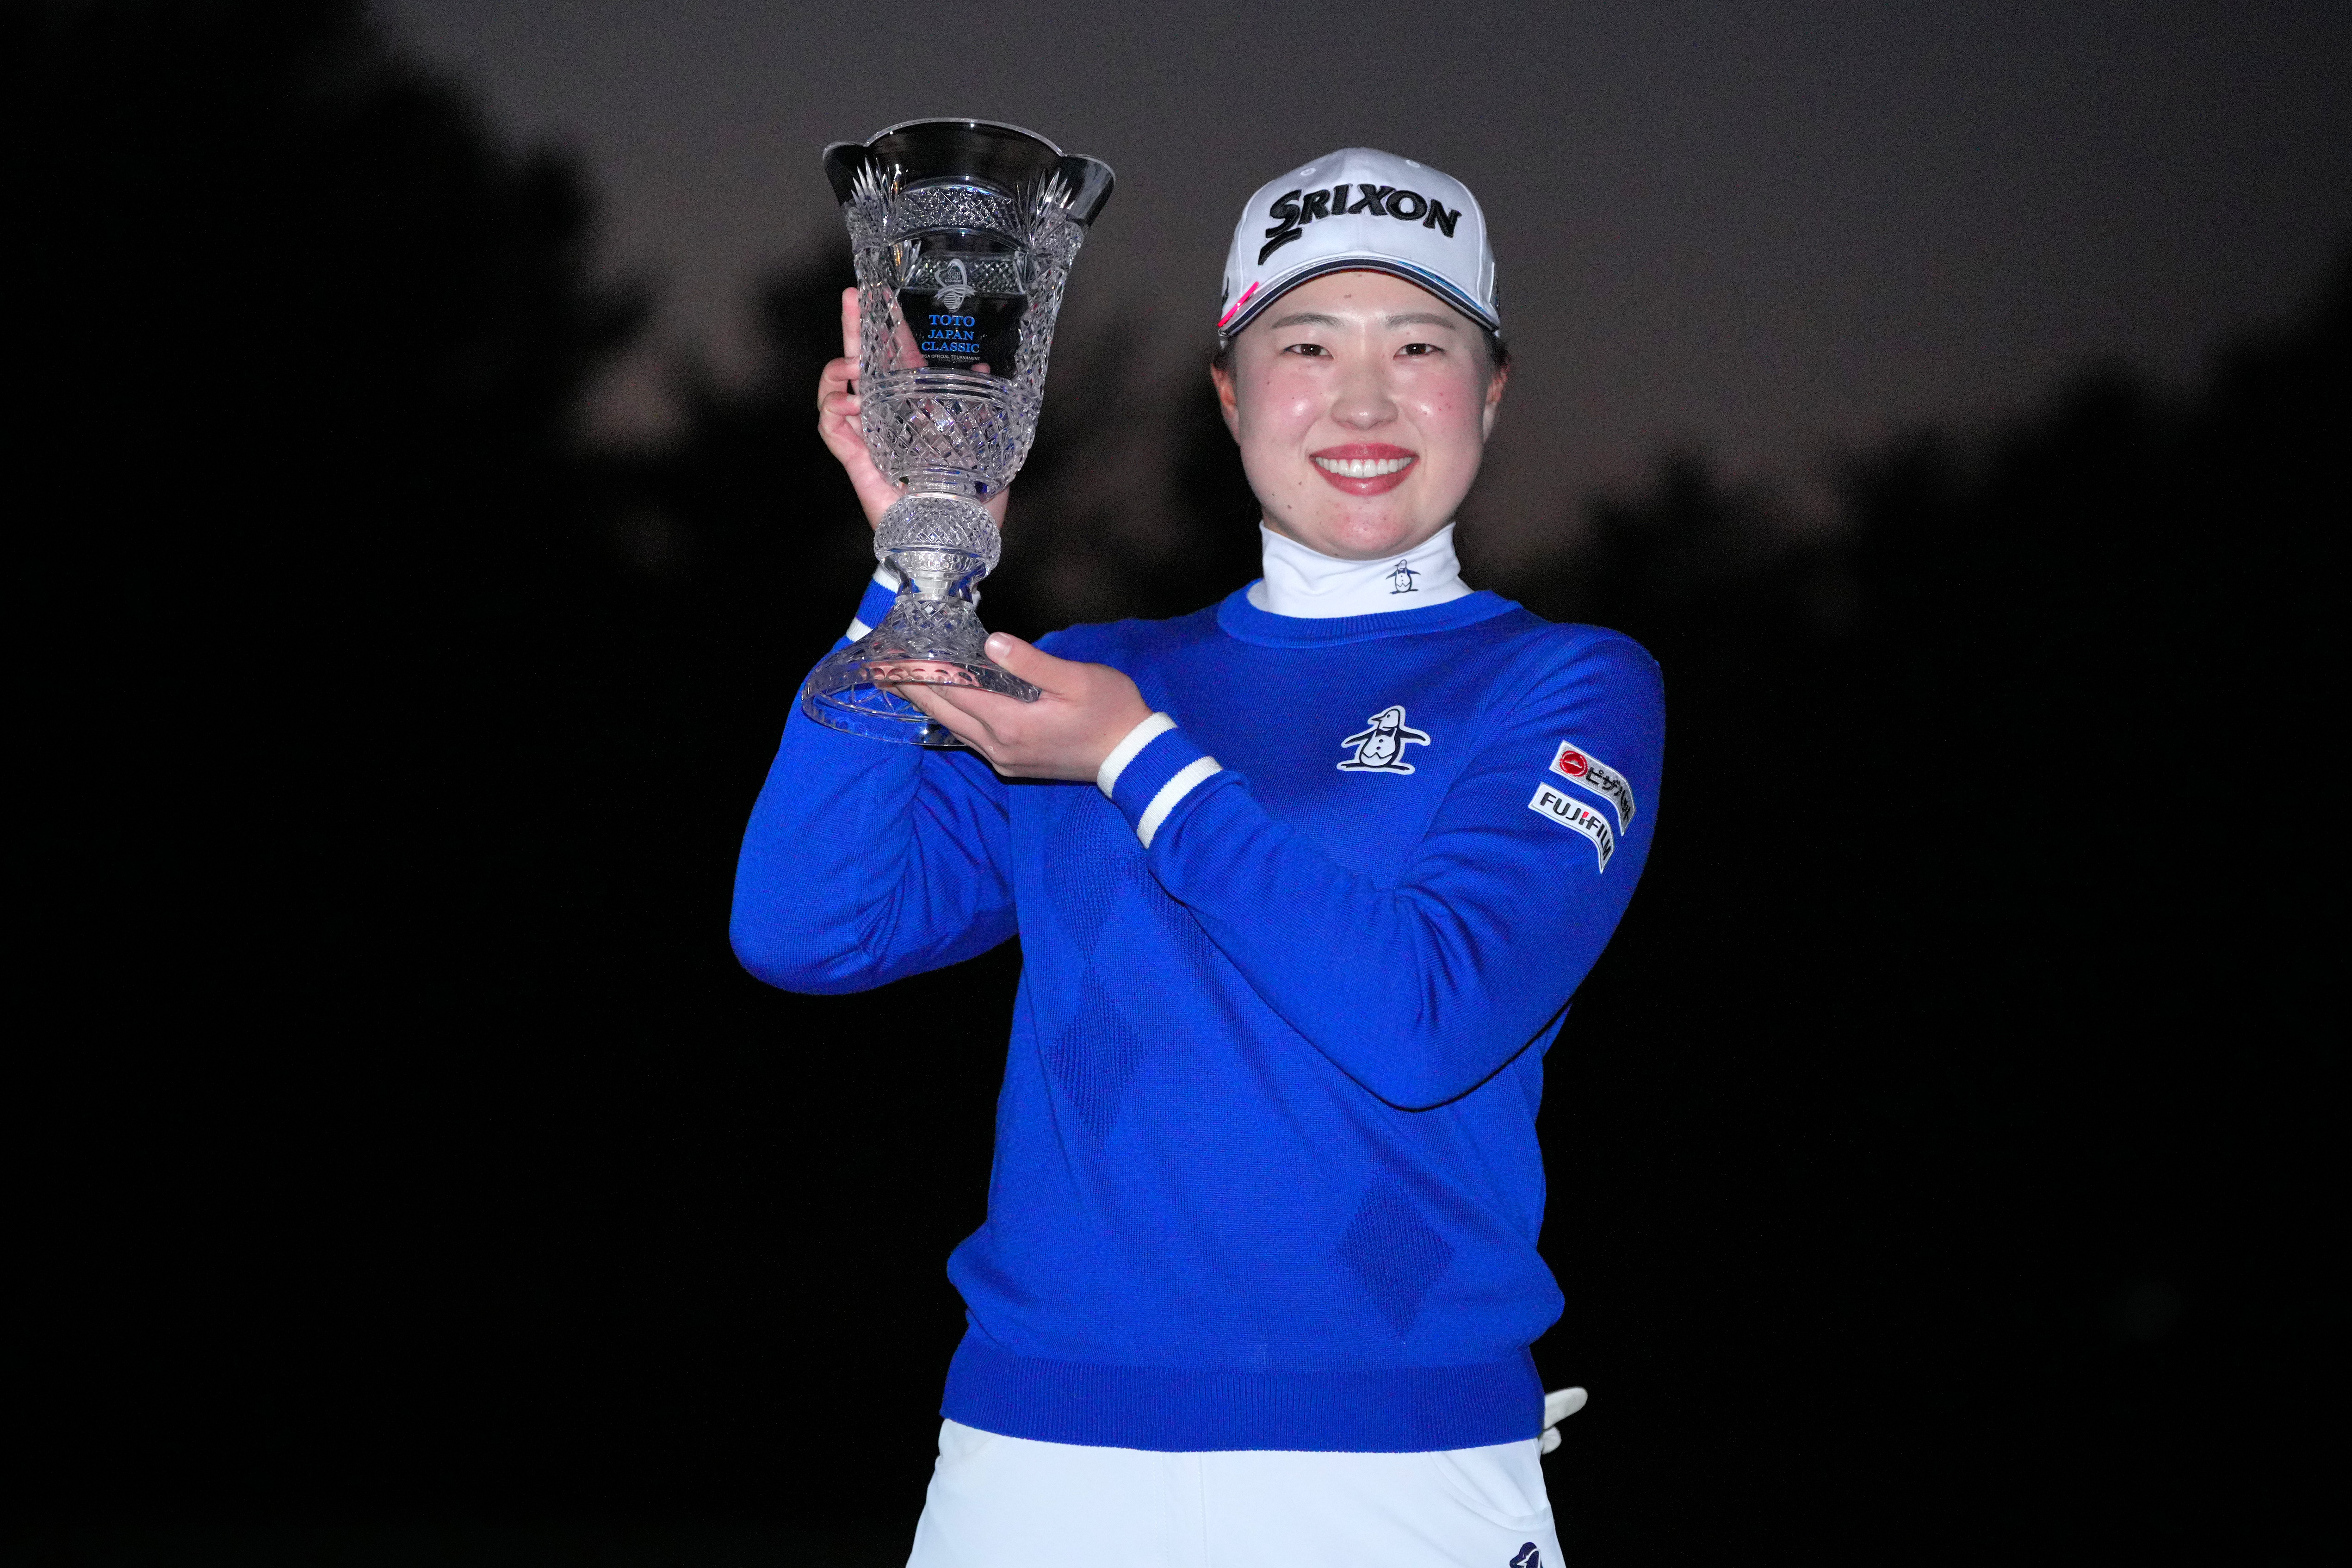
(1361, 208)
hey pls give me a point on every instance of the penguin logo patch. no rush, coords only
(1381, 748)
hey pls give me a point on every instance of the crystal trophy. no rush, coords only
(963, 232)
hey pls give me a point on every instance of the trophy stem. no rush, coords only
(941, 546)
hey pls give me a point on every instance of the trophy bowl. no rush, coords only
(963, 233)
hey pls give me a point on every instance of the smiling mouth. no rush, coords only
(1365, 467)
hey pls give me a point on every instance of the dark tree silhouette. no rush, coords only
(1937, 1136)
(305, 347)
(311, 349)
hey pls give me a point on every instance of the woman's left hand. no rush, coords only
(1086, 710)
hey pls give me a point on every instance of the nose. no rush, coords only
(1363, 400)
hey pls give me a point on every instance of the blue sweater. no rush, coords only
(1267, 1173)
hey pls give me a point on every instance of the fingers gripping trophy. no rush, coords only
(963, 232)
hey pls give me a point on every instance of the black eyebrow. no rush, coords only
(1411, 319)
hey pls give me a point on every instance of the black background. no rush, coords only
(405, 1170)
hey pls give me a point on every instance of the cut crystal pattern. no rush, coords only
(924, 641)
(951, 436)
(954, 207)
(865, 709)
(950, 527)
(972, 274)
(881, 218)
(945, 431)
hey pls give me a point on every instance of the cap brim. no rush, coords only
(1273, 290)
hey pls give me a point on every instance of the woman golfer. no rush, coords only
(1301, 908)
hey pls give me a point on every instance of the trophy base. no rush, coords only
(922, 642)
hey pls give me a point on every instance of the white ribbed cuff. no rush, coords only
(1126, 751)
(1172, 795)
(884, 579)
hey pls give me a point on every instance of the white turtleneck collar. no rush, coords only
(1315, 586)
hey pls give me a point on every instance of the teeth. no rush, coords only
(1362, 468)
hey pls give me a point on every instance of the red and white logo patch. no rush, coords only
(1579, 766)
(1577, 816)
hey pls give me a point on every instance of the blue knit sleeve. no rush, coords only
(866, 862)
(1422, 989)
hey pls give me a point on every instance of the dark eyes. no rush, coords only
(1317, 351)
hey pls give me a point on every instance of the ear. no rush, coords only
(1226, 405)
(1493, 402)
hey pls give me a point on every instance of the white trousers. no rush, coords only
(1010, 1503)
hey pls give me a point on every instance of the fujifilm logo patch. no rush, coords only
(1577, 817)
(1294, 210)
(1580, 767)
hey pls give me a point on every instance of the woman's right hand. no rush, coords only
(837, 424)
